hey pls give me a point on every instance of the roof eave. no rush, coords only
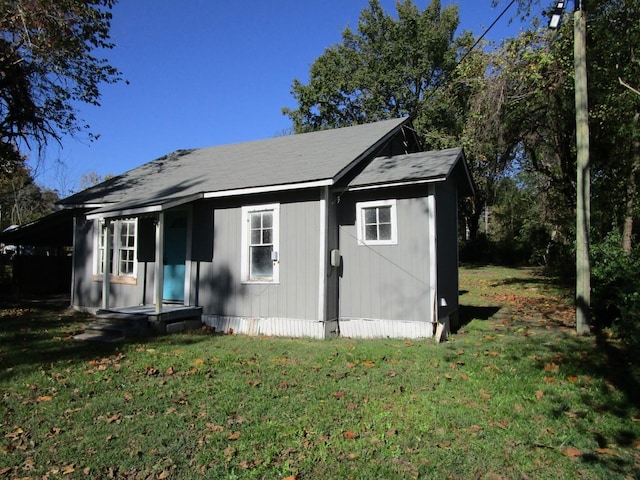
(405, 183)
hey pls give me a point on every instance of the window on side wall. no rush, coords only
(122, 254)
(376, 222)
(260, 243)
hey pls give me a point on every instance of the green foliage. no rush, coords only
(21, 199)
(388, 68)
(616, 288)
(47, 66)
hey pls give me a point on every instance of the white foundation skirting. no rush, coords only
(270, 327)
(370, 328)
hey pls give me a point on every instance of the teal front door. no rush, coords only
(175, 255)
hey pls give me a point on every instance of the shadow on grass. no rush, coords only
(35, 334)
(467, 313)
(618, 367)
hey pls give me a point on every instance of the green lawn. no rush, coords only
(514, 394)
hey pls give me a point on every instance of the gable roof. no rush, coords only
(317, 158)
(412, 168)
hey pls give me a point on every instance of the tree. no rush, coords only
(48, 64)
(615, 112)
(388, 68)
(22, 200)
(93, 178)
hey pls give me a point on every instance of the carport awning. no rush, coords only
(53, 230)
(133, 208)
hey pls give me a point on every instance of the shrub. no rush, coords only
(615, 286)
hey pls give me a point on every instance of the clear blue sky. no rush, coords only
(212, 72)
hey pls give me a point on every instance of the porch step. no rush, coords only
(102, 337)
(113, 326)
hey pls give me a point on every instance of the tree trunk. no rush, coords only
(632, 192)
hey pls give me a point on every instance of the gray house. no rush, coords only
(351, 231)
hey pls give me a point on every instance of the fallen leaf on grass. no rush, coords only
(572, 452)
(539, 394)
(229, 452)
(368, 363)
(234, 436)
(551, 367)
(607, 451)
(163, 474)
(349, 435)
(237, 420)
(213, 427)
(14, 435)
(44, 398)
(5, 470)
(198, 361)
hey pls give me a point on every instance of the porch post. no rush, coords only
(106, 263)
(159, 265)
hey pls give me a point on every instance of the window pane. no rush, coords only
(267, 236)
(261, 263)
(267, 220)
(384, 214)
(385, 231)
(370, 232)
(255, 220)
(255, 237)
(369, 215)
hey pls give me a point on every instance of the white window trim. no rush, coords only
(244, 251)
(97, 270)
(360, 225)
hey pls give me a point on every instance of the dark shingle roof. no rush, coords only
(276, 161)
(433, 165)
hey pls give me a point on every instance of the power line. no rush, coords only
(485, 33)
(487, 30)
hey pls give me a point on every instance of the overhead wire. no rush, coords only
(467, 53)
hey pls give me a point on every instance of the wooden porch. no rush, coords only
(117, 324)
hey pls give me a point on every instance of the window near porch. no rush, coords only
(260, 238)
(123, 243)
(376, 222)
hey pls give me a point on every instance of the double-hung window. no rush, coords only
(260, 243)
(121, 256)
(376, 222)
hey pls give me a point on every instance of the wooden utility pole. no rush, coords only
(583, 179)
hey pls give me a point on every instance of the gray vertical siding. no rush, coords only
(389, 282)
(221, 290)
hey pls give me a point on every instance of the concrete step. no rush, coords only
(99, 336)
(125, 331)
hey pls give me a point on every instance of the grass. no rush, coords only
(514, 394)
